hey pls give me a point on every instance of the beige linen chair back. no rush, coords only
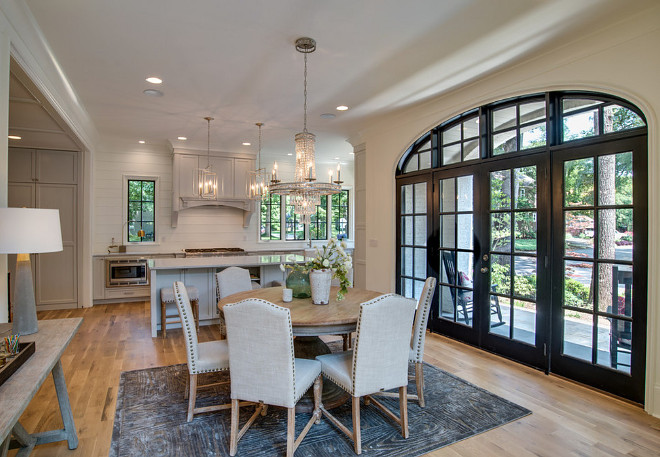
(382, 348)
(188, 325)
(231, 281)
(421, 319)
(261, 358)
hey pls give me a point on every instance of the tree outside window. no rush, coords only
(141, 210)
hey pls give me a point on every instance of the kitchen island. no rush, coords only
(200, 272)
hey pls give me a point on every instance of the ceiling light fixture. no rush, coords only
(205, 180)
(154, 80)
(304, 190)
(182, 138)
(342, 108)
(152, 92)
(141, 141)
(257, 180)
(14, 137)
(247, 143)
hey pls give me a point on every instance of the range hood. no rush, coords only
(232, 172)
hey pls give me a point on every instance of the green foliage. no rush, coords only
(576, 294)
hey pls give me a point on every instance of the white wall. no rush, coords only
(197, 227)
(621, 59)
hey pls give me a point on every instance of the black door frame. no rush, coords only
(630, 386)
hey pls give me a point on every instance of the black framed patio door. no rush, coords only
(490, 227)
(599, 331)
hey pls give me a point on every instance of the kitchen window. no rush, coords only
(331, 219)
(139, 224)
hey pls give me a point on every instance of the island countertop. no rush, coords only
(228, 261)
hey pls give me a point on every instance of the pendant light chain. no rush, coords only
(208, 141)
(305, 94)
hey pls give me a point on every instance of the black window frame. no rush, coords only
(134, 225)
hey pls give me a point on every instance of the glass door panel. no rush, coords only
(413, 234)
(513, 253)
(599, 322)
(456, 236)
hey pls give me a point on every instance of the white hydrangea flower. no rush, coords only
(343, 244)
(326, 263)
(282, 267)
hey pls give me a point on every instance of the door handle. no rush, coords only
(484, 269)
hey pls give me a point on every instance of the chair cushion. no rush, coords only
(306, 372)
(339, 368)
(167, 294)
(212, 356)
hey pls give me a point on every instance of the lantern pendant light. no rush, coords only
(205, 180)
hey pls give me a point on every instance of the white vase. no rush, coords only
(320, 281)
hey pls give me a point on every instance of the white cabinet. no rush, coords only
(231, 170)
(48, 179)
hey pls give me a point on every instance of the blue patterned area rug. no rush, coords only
(151, 420)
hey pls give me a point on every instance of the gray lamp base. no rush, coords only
(24, 320)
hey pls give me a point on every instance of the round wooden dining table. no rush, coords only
(309, 321)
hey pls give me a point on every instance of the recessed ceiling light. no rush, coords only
(336, 158)
(245, 143)
(182, 138)
(14, 137)
(328, 116)
(141, 141)
(290, 153)
(342, 108)
(352, 153)
(152, 92)
(154, 80)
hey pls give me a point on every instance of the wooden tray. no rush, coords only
(14, 363)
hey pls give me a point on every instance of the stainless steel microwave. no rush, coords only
(126, 272)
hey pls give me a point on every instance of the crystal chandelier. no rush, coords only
(205, 180)
(257, 180)
(305, 192)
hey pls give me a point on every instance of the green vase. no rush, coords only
(299, 283)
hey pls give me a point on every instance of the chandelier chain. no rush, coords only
(305, 96)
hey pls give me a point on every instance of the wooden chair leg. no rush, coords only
(187, 391)
(233, 434)
(192, 396)
(419, 381)
(357, 437)
(163, 320)
(345, 342)
(290, 431)
(403, 406)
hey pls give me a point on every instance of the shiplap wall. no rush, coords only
(196, 228)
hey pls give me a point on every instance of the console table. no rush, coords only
(16, 393)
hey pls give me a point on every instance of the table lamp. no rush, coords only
(26, 231)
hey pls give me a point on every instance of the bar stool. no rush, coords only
(167, 298)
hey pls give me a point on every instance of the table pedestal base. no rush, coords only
(308, 347)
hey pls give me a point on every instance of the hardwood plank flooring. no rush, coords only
(568, 419)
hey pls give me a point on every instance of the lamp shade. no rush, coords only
(29, 230)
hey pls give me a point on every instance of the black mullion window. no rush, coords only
(295, 229)
(318, 223)
(141, 210)
(340, 214)
(270, 216)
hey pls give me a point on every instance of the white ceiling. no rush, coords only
(236, 61)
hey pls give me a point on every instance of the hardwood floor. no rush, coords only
(567, 419)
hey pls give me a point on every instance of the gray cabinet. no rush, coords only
(48, 179)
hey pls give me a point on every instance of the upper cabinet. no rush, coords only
(232, 172)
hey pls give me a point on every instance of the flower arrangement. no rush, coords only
(331, 256)
(334, 256)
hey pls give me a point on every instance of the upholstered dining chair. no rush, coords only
(231, 281)
(378, 362)
(264, 369)
(417, 341)
(208, 357)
